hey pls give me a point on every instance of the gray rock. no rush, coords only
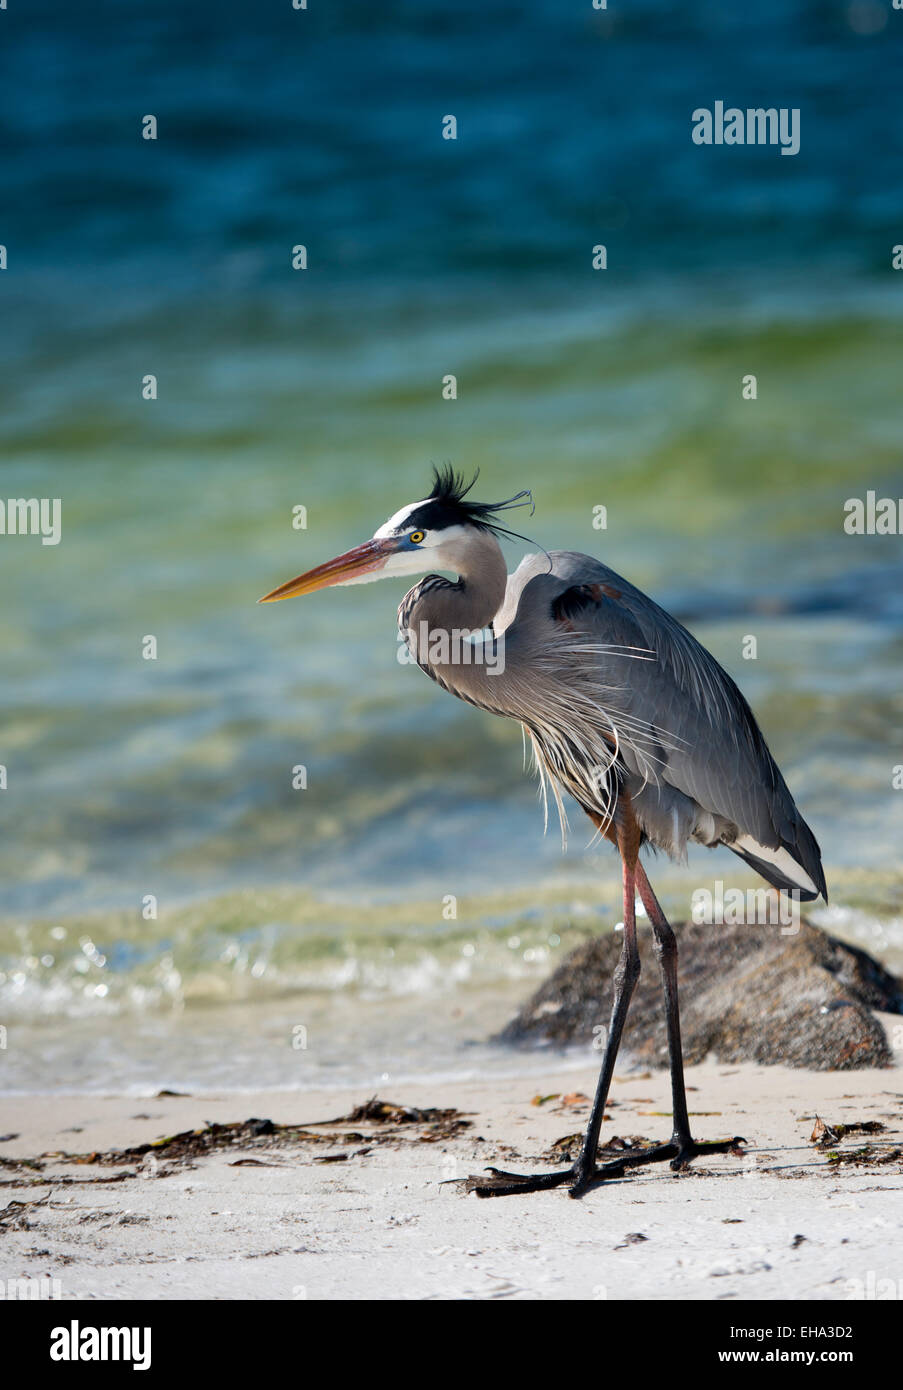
(747, 993)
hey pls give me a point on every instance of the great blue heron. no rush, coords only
(625, 711)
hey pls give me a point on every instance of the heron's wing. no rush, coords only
(529, 568)
(710, 746)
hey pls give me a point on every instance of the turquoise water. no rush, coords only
(323, 907)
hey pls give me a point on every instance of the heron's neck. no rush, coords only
(437, 614)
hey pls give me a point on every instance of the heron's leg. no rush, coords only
(627, 972)
(584, 1172)
(666, 950)
(683, 1146)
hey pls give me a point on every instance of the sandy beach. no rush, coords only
(372, 1210)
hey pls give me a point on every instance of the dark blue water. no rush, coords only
(323, 126)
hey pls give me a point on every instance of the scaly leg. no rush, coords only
(584, 1173)
(681, 1148)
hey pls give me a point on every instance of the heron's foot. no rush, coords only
(682, 1150)
(501, 1184)
(679, 1151)
(578, 1179)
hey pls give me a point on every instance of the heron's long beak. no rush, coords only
(363, 559)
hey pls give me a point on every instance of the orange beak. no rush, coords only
(363, 559)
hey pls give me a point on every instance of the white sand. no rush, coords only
(382, 1226)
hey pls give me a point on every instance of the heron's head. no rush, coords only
(437, 533)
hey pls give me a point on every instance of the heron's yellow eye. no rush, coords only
(416, 537)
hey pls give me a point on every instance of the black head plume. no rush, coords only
(448, 505)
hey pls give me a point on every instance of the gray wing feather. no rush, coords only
(711, 748)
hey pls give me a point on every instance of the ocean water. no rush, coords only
(304, 936)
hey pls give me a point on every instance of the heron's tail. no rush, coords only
(795, 868)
